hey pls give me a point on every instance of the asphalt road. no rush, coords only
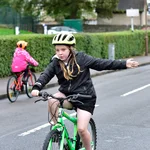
(122, 114)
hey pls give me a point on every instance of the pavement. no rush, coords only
(143, 60)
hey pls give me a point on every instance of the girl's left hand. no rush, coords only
(130, 63)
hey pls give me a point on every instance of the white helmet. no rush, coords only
(64, 39)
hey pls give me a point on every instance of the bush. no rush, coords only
(127, 44)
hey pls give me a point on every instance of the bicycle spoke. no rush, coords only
(31, 79)
(52, 141)
(12, 93)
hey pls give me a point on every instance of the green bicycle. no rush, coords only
(58, 137)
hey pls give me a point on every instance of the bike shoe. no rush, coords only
(24, 81)
(22, 88)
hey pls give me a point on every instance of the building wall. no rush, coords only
(143, 18)
(120, 19)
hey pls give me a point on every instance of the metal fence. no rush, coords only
(11, 18)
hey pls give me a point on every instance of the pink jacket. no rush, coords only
(21, 59)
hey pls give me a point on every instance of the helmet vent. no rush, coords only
(59, 37)
(71, 38)
(55, 37)
(64, 37)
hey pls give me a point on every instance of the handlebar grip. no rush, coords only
(84, 96)
(44, 94)
(40, 93)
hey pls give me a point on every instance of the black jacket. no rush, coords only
(82, 83)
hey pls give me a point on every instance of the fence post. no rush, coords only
(111, 51)
(17, 30)
(45, 28)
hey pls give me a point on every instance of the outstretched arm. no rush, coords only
(107, 64)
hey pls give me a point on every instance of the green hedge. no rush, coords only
(127, 44)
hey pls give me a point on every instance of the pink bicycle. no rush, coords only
(16, 85)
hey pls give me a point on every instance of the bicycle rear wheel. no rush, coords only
(12, 93)
(93, 133)
(31, 79)
(52, 141)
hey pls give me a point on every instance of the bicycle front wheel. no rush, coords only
(31, 79)
(93, 133)
(52, 141)
(12, 93)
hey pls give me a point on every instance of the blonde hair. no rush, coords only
(69, 71)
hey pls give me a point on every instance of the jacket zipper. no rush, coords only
(69, 86)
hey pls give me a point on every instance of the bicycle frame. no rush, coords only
(19, 82)
(61, 127)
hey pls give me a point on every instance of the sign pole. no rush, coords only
(132, 24)
(132, 13)
(146, 34)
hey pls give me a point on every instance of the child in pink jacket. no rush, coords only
(22, 58)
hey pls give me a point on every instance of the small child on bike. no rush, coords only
(21, 59)
(72, 69)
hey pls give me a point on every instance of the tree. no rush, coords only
(4, 3)
(64, 9)
(57, 8)
(68, 8)
(26, 7)
(105, 8)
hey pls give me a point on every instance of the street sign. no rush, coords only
(132, 12)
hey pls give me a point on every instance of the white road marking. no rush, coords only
(136, 90)
(34, 130)
(42, 126)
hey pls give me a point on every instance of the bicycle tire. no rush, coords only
(31, 79)
(52, 141)
(12, 93)
(93, 133)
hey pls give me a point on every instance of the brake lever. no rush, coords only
(40, 100)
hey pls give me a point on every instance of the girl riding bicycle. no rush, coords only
(72, 69)
(22, 59)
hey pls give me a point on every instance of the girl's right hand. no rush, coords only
(35, 93)
(130, 63)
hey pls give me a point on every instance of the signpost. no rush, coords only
(45, 28)
(146, 34)
(132, 13)
(17, 30)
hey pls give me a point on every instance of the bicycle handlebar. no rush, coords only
(45, 96)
